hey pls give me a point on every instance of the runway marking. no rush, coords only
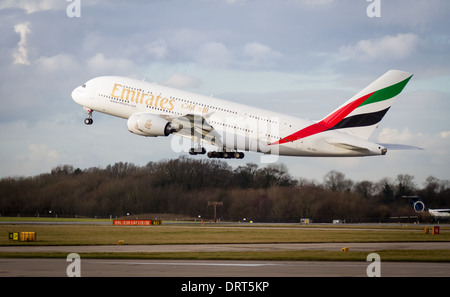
(190, 264)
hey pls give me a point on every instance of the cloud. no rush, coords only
(60, 62)
(181, 81)
(316, 2)
(34, 159)
(39, 152)
(386, 48)
(433, 160)
(214, 54)
(445, 134)
(389, 135)
(235, 1)
(21, 55)
(33, 6)
(435, 144)
(260, 53)
(36, 6)
(158, 48)
(100, 65)
(234, 49)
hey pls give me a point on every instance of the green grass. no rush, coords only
(51, 219)
(134, 235)
(385, 255)
(90, 234)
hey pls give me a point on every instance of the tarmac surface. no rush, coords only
(224, 268)
(13, 267)
(334, 246)
(48, 267)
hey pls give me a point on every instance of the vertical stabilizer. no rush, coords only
(360, 115)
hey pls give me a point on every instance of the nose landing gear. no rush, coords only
(89, 120)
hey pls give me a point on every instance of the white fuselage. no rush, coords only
(440, 213)
(240, 127)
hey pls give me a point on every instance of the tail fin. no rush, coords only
(360, 115)
(416, 203)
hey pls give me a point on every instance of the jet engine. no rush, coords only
(149, 125)
(419, 206)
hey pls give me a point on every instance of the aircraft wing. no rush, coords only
(196, 127)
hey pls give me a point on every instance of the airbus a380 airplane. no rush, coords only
(154, 110)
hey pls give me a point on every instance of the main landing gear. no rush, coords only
(198, 151)
(226, 155)
(218, 155)
(89, 120)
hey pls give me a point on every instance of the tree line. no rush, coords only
(184, 186)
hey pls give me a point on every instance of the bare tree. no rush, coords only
(405, 185)
(336, 182)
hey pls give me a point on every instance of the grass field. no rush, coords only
(94, 234)
(107, 235)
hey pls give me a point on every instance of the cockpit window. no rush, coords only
(84, 85)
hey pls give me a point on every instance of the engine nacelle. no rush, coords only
(419, 206)
(148, 125)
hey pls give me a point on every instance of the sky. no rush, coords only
(299, 57)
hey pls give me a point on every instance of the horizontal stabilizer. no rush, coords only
(400, 147)
(346, 145)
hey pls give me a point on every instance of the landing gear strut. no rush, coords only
(89, 120)
(218, 155)
(226, 155)
(197, 151)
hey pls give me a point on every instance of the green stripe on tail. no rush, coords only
(386, 93)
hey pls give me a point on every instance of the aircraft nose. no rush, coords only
(79, 95)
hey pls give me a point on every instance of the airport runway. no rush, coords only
(13, 267)
(328, 246)
(210, 268)
(10, 267)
